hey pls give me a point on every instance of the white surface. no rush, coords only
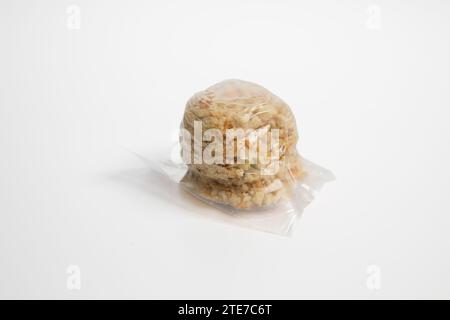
(372, 102)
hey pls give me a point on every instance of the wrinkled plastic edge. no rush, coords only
(278, 219)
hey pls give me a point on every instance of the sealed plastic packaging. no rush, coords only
(238, 153)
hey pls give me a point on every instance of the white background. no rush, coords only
(368, 81)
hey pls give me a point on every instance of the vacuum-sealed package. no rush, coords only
(238, 153)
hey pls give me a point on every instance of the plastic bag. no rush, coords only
(237, 152)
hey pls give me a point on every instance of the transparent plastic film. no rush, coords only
(238, 153)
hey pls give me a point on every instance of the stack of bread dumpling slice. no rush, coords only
(248, 182)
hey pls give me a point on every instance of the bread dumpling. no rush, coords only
(264, 123)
